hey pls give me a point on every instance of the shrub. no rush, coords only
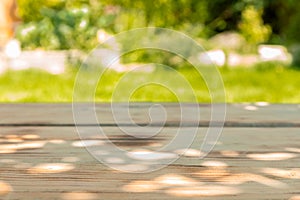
(252, 26)
(58, 24)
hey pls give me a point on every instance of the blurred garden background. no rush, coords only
(254, 43)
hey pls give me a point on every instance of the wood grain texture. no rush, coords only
(237, 115)
(51, 162)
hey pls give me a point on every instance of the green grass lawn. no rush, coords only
(275, 84)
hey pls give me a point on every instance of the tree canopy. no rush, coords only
(273, 21)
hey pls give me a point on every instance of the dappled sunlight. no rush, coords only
(5, 188)
(130, 167)
(189, 152)
(214, 176)
(282, 173)
(229, 153)
(56, 141)
(31, 145)
(232, 179)
(224, 177)
(30, 137)
(240, 178)
(14, 140)
(222, 181)
(7, 151)
(182, 186)
(142, 186)
(11, 136)
(220, 173)
(160, 182)
(271, 156)
(155, 144)
(50, 168)
(212, 170)
(203, 191)
(295, 150)
(150, 155)
(297, 197)
(251, 108)
(11, 148)
(12, 143)
(262, 104)
(79, 196)
(175, 180)
(265, 181)
(216, 164)
(88, 143)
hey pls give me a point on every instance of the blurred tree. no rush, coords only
(161, 13)
(252, 26)
(198, 18)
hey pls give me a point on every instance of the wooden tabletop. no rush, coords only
(44, 154)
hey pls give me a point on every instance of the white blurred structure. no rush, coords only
(50, 61)
(238, 60)
(12, 49)
(274, 53)
(216, 57)
(14, 58)
(229, 40)
(266, 53)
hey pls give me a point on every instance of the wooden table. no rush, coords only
(256, 157)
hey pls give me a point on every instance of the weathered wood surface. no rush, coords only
(253, 115)
(40, 161)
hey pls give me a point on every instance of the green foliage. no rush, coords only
(68, 25)
(197, 18)
(161, 13)
(252, 26)
(150, 55)
(293, 36)
(278, 14)
(295, 50)
(29, 10)
(293, 30)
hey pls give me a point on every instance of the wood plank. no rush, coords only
(246, 163)
(237, 115)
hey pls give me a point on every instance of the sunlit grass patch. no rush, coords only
(274, 84)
